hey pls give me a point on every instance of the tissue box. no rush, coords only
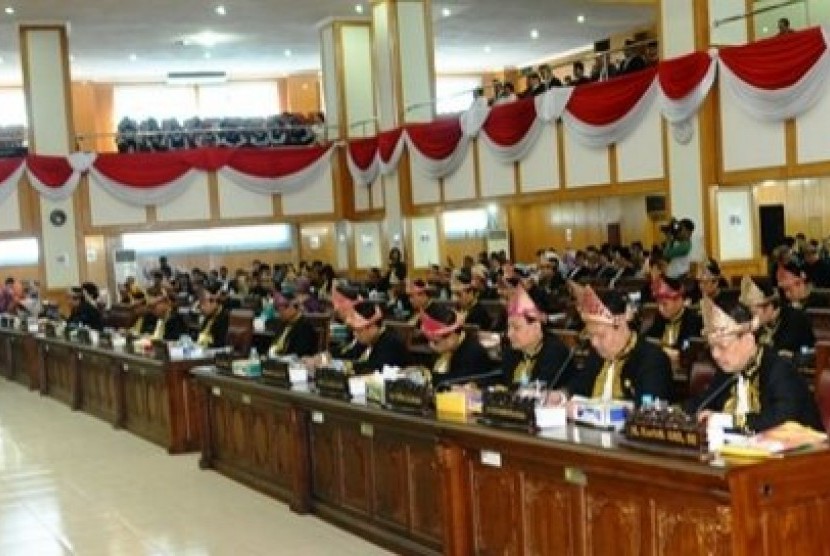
(548, 417)
(597, 413)
(451, 402)
(246, 368)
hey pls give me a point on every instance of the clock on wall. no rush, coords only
(57, 217)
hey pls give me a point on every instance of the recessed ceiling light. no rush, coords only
(580, 18)
(9, 10)
(534, 33)
(133, 57)
(446, 12)
(487, 49)
(287, 52)
(358, 8)
(220, 10)
(207, 39)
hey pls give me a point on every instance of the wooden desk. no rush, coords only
(153, 399)
(18, 357)
(418, 485)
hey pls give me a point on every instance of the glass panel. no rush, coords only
(213, 240)
(18, 252)
(461, 223)
(455, 94)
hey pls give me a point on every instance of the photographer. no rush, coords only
(678, 247)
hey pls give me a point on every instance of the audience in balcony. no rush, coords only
(784, 26)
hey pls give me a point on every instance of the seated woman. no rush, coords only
(534, 354)
(674, 324)
(781, 326)
(757, 386)
(622, 364)
(381, 346)
(293, 333)
(797, 287)
(461, 357)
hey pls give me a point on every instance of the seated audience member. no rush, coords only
(798, 290)
(169, 324)
(602, 69)
(710, 283)
(535, 86)
(306, 300)
(460, 356)
(83, 311)
(214, 329)
(548, 79)
(781, 327)
(129, 291)
(675, 324)
(381, 346)
(508, 95)
(471, 310)
(534, 355)
(784, 26)
(634, 60)
(293, 333)
(579, 77)
(622, 364)
(752, 383)
(145, 322)
(419, 299)
(816, 268)
(343, 301)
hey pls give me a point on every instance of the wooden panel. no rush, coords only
(691, 529)
(146, 412)
(612, 513)
(549, 516)
(496, 510)
(426, 507)
(59, 374)
(326, 473)
(98, 384)
(391, 485)
(356, 462)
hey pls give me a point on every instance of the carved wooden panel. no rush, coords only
(550, 509)
(5, 355)
(325, 459)
(356, 462)
(783, 528)
(689, 529)
(18, 360)
(98, 384)
(495, 500)
(391, 479)
(60, 373)
(614, 523)
(146, 410)
(426, 496)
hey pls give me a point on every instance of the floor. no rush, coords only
(71, 484)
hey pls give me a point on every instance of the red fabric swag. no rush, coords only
(507, 124)
(52, 171)
(436, 140)
(142, 170)
(275, 163)
(778, 62)
(606, 102)
(387, 142)
(679, 76)
(363, 151)
(9, 166)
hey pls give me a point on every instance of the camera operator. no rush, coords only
(678, 247)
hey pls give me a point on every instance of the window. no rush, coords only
(463, 223)
(242, 100)
(19, 252)
(140, 102)
(212, 240)
(12, 107)
(455, 94)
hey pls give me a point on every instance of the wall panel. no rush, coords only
(540, 170)
(237, 202)
(640, 155)
(811, 131)
(747, 142)
(193, 204)
(10, 212)
(497, 178)
(585, 165)
(461, 185)
(106, 210)
(424, 190)
(315, 198)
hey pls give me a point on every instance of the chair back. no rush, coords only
(240, 331)
(700, 377)
(321, 323)
(823, 397)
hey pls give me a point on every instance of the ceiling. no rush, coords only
(477, 35)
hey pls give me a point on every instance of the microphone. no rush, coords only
(468, 378)
(558, 374)
(718, 391)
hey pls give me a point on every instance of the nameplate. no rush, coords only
(405, 395)
(83, 337)
(276, 373)
(332, 383)
(674, 429)
(49, 330)
(505, 409)
(223, 361)
(105, 340)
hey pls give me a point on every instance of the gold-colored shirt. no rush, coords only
(524, 370)
(614, 368)
(748, 387)
(672, 330)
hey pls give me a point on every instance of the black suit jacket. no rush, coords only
(783, 391)
(469, 359)
(301, 339)
(478, 316)
(690, 326)
(86, 314)
(175, 327)
(218, 329)
(794, 332)
(546, 365)
(389, 349)
(646, 371)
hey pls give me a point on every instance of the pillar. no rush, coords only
(44, 55)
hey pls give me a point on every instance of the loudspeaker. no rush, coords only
(602, 46)
(655, 203)
(772, 222)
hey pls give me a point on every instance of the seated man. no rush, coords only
(622, 364)
(472, 311)
(461, 357)
(145, 322)
(534, 355)
(169, 324)
(214, 329)
(757, 386)
(710, 283)
(674, 324)
(797, 287)
(83, 311)
(781, 327)
(293, 333)
(419, 300)
(381, 346)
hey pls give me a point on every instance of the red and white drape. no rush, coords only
(775, 79)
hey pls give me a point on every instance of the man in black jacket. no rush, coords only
(293, 333)
(82, 311)
(213, 332)
(781, 326)
(473, 312)
(381, 346)
(674, 324)
(169, 324)
(757, 386)
(622, 365)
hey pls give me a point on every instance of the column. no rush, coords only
(44, 55)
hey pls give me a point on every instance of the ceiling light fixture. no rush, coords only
(358, 8)
(580, 18)
(446, 12)
(287, 52)
(133, 57)
(487, 49)
(9, 10)
(534, 33)
(207, 55)
(207, 39)
(220, 10)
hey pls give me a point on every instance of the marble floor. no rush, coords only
(71, 484)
